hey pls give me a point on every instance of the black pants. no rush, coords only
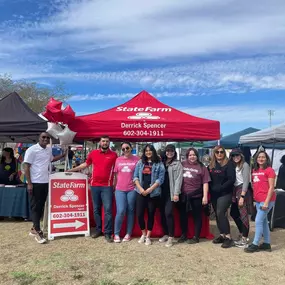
(221, 205)
(142, 203)
(196, 206)
(235, 214)
(37, 201)
(167, 215)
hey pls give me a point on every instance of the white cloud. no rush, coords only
(121, 96)
(243, 114)
(76, 34)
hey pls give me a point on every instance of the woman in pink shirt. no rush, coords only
(125, 194)
(263, 180)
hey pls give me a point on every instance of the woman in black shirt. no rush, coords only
(223, 176)
(8, 167)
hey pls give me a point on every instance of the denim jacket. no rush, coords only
(157, 175)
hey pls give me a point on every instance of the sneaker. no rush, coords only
(265, 247)
(108, 238)
(193, 240)
(142, 239)
(228, 242)
(219, 239)
(127, 238)
(169, 242)
(117, 239)
(242, 243)
(97, 234)
(33, 232)
(251, 248)
(40, 237)
(148, 241)
(163, 239)
(182, 239)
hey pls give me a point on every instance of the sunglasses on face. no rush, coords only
(169, 150)
(45, 137)
(125, 148)
(235, 155)
(219, 152)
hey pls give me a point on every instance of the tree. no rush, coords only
(35, 96)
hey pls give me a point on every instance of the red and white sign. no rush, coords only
(68, 205)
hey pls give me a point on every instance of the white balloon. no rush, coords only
(54, 129)
(66, 136)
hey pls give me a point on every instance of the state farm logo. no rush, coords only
(69, 196)
(143, 115)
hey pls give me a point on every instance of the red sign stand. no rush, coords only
(68, 205)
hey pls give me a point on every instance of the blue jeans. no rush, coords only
(69, 163)
(103, 195)
(125, 203)
(261, 224)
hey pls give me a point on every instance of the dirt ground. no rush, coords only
(82, 260)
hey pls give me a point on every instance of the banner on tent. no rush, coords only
(68, 205)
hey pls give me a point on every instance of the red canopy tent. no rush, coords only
(144, 118)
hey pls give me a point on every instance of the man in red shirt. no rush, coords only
(103, 162)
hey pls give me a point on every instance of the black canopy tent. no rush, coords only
(18, 123)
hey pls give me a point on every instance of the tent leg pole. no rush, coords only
(85, 150)
(272, 154)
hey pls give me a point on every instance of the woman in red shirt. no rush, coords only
(263, 180)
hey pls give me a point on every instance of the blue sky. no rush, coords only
(222, 60)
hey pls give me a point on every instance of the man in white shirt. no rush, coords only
(37, 162)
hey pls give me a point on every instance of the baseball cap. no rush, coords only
(236, 151)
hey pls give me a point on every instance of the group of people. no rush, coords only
(153, 181)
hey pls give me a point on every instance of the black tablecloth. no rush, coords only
(14, 202)
(277, 214)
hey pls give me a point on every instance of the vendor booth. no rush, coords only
(275, 136)
(18, 123)
(146, 119)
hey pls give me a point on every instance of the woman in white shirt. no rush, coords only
(239, 208)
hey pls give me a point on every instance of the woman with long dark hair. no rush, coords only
(239, 207)
(263, 180)
(148, 178)
(195, 188)
(8, 171)
(223, 177)
(125, 195)
(171, 189)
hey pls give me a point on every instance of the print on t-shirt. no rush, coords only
(256, 179)
(260, 179)
(125, 168)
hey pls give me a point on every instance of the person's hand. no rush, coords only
(241, 202)
(175, 198)
(148, 191)
(30, 188)
(70, 170)
(142, 191)
(205, 200)
(264, 207)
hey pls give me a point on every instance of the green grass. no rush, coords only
(24, 278)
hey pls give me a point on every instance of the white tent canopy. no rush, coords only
(273, 135)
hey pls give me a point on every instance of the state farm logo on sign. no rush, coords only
(69, 196)
(141, 116)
